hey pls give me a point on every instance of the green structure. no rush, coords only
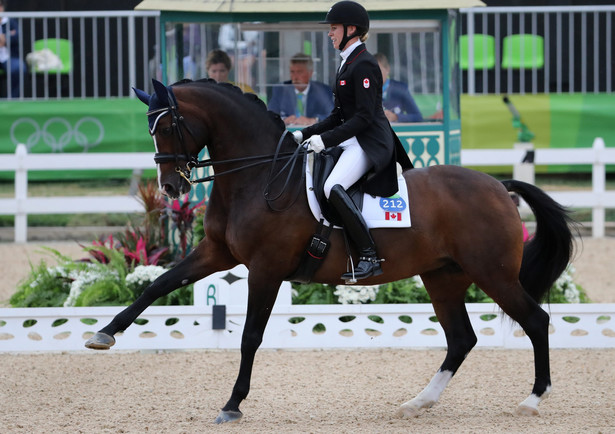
(420, 38)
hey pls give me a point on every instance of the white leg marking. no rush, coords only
(428, 396)
(529, 406)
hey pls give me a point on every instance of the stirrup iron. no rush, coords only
(350, 276)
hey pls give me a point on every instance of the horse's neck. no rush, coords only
(254, 178)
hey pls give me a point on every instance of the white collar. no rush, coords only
(349, 50)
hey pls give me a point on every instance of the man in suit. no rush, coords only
(301, 100)
(399, 106)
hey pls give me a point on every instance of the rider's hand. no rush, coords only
(298, 136)
(314, 143)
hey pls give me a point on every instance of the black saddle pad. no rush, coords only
(323, 165)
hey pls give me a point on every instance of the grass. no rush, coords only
(69, 220)
(90, 187)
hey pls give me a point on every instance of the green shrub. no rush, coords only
(313, 293)
(412, 290)
(403, 291)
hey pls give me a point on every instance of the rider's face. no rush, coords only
(336, 33)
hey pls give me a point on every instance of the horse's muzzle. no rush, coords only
(175, 189)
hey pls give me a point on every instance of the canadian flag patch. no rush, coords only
(366, 83)
(392, 216)
(342, 82)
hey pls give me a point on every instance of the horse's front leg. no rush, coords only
(261, 299)
(204, 260)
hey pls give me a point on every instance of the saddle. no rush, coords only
(319, 244)
(378, 212)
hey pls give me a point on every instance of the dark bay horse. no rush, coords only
(465, 228)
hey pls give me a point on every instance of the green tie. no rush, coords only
(299, 111)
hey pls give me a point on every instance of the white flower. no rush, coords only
(419, 282)
(355, 294)
(567, 287)
(144, 275)
(84, 278)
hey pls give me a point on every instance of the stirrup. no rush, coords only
(373, 269)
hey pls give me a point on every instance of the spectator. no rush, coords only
(10, 63)
(218, 65)
(306, 101)
(399, 106)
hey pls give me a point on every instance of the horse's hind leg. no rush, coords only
(518, 305)
(447, 291)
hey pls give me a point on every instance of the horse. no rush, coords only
(465, 228)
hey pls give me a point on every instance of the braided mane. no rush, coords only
(252, 98)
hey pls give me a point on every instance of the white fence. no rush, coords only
(22, 205)
(598, 156)
(292, 326)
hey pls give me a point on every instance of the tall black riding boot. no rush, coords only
(369, 264)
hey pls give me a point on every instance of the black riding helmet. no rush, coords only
(348, 13)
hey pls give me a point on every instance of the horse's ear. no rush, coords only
(161, 92)
(143, 96)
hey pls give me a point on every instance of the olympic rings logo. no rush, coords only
(58, 132)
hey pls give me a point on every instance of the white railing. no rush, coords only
(598, 156)
(123, 43)
(291, 326)
(21, 205)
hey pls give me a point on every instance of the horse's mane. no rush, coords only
(252, 98)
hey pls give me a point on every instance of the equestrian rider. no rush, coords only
(359, 126)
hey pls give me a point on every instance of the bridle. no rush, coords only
(181, 153)
(177, 124)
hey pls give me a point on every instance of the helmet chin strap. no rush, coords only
(345, 39)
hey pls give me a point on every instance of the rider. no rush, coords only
(359, 126)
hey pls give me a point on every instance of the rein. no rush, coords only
(271, 158)
(192, 161)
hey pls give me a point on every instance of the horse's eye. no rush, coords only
(166, 131)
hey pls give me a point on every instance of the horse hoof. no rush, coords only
(407, 412)
(228, 416)
(100, 341)
(524, 410)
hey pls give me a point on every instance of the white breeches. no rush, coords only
(351, 166)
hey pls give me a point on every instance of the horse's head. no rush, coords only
(176, 149)
(235, 127)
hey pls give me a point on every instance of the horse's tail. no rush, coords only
(548, 253)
